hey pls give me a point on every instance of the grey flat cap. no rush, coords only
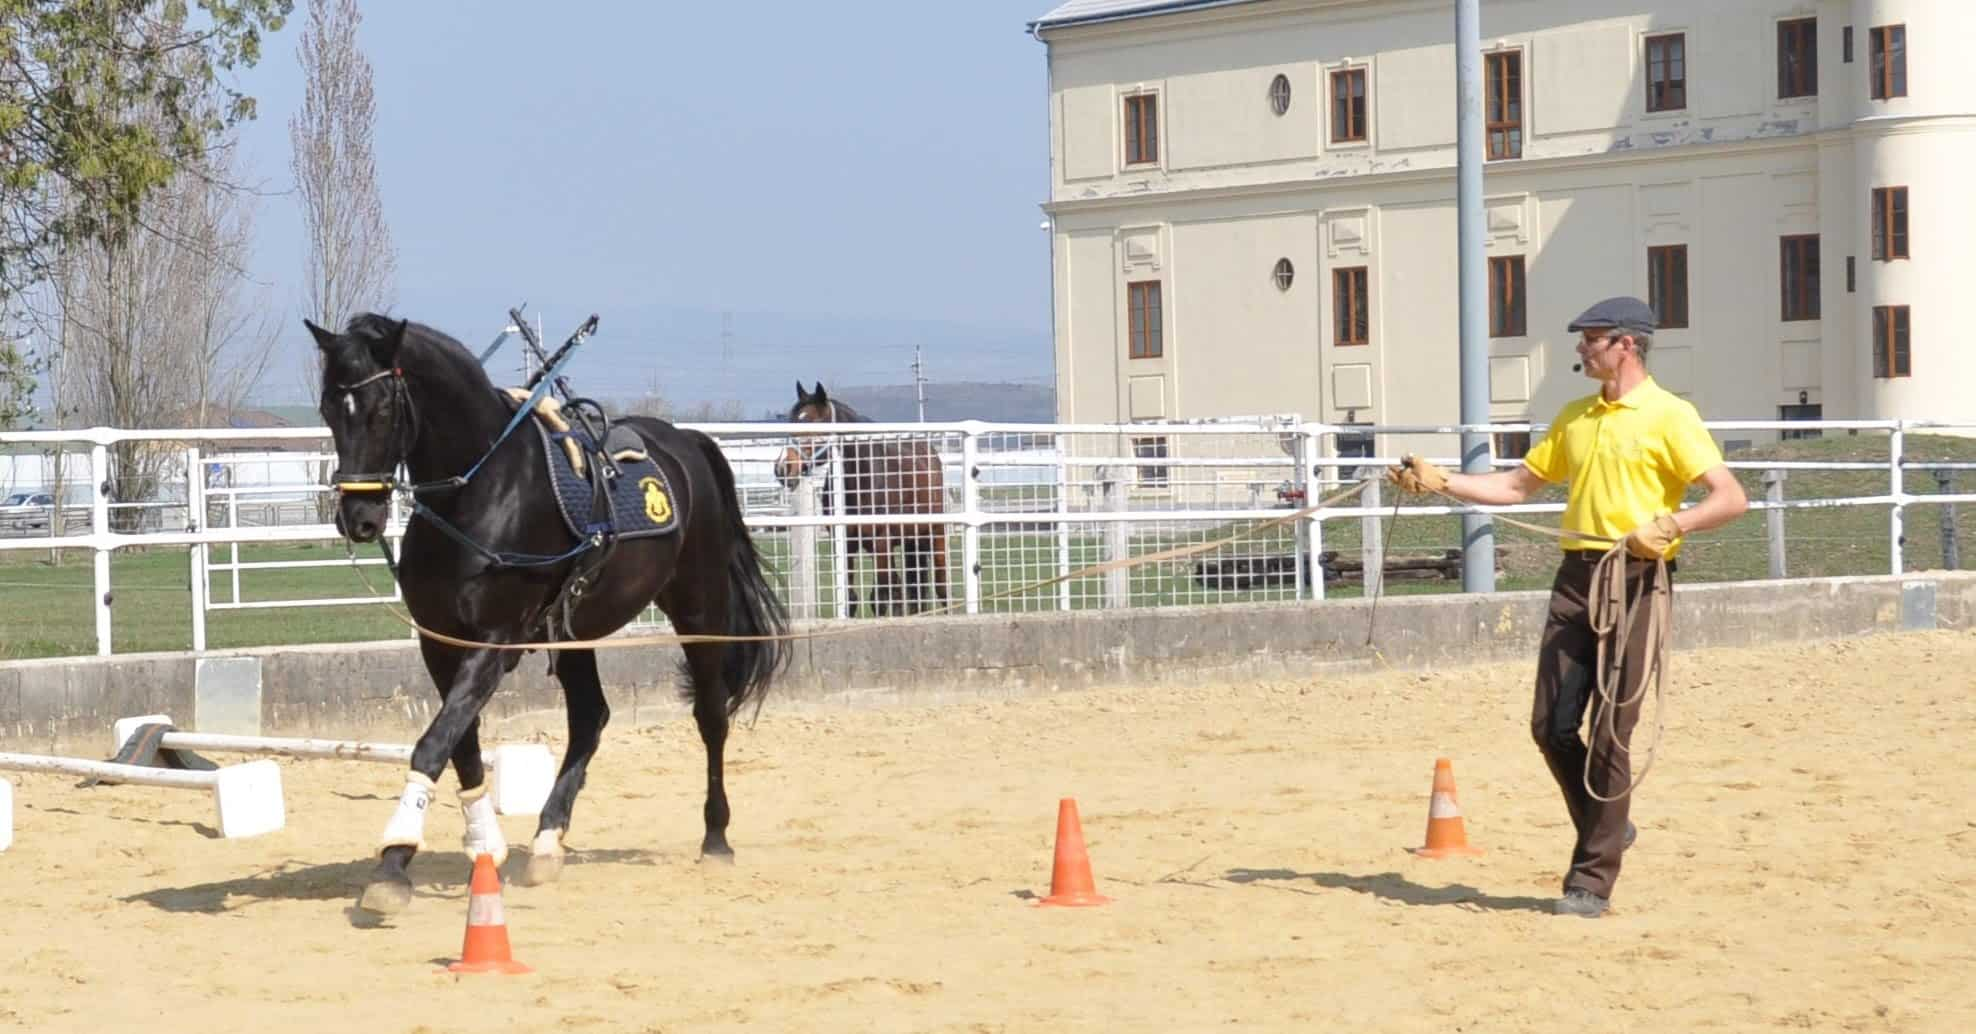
(1623, 313)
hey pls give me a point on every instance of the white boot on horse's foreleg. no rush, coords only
(483, 834)
(407, 825)
(545, 858)
(390, 890)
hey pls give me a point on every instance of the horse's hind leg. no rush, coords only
(583, 694)
(703, 664)
(466, 679)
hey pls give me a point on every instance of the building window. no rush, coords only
(1667, 284)
(1349, 306)
(1142, 303)
(1797, 58)
(1279, 94)
(1504, 84)
(1814, 411)
(1511, 445)
(1506, 308)
(1851, 277)
(1845, 45)
(1283, 274)
(1667, 72)
(1348, 105)
(1142, 130)
(1890, 342)
(1800, 276)
(1887, 54)
(1151, 449)
(1889, 223)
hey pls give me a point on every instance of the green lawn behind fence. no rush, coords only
(45, 606)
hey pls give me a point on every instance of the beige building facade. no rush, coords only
(1253, 204)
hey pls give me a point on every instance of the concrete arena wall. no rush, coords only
(380, 690)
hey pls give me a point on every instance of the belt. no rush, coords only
(1591, 557)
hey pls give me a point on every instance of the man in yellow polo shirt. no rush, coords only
(1629, 454)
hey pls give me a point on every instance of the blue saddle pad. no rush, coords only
(642, 503)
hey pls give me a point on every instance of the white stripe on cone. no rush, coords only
(1442, 807)
(485, 910)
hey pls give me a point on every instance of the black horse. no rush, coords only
(486, 560)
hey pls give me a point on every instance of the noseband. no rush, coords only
(808, 458)
(404, 424)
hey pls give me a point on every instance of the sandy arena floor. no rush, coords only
(1805, 862)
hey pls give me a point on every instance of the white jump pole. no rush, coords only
(246, 797)
(522, 773)
(6, 814)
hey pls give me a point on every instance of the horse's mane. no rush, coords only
(424, 346)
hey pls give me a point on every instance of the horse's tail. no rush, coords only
(753, 608)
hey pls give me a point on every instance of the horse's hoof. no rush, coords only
(723, 855)
(542, 868)
(386, 897)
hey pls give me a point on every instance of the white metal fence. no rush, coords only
(986, 511)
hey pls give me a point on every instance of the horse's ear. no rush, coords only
(325, 340)
(802, 393)
(385, 349)
(819, 396)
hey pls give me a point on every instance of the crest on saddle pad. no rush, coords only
(640, 502)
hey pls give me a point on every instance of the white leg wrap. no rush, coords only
(483, 834)
(547, 842)
(407, 825)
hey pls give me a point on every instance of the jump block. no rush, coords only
(521, 773)
(247, 798)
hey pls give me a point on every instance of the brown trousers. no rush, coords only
(1567, 688)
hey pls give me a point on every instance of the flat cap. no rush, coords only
(1623, 313)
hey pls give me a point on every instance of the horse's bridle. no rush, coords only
(809, 457)
(404, 424)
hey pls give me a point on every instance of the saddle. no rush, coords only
(612, 489)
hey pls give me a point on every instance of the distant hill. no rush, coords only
(1000, 402)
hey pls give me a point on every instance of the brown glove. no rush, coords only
(1649, 541)
(1418, 476)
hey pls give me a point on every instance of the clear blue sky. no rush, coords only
(845, 179)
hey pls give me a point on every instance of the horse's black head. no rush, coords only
(369, 414)
(810, 407)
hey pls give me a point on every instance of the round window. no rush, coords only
(1283, 274)
(1279, 94)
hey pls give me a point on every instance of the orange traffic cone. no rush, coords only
(1446, 836)
(486, 948)
(1070, 877)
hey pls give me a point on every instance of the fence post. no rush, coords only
(195, 520)
(1951, 554)
(840, 536)
(99, 519)
(1118, 540)
(971, 507)
(1063, 522)
(1372, 550)
(1896, 517)
(1306, 560)
(1773, 493)
(802, 551)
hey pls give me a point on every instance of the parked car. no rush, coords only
(34, 511)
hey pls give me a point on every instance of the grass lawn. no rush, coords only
(45, 607)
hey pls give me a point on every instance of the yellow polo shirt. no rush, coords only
(1626, 460)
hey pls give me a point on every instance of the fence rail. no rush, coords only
(1020, 504)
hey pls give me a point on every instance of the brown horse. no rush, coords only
(880, 477)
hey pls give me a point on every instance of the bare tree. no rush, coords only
(351, 262)
(155, 331)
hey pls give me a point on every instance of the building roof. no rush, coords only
(1085, 12)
